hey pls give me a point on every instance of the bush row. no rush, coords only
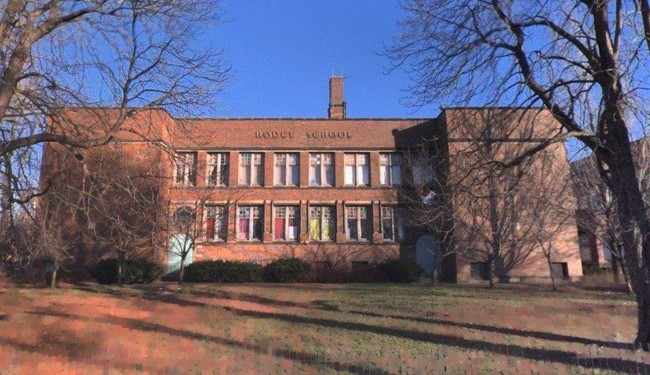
(134, 271)
(285, 270)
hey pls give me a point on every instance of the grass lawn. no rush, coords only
(316, 328)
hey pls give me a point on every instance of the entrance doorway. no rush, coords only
(428, 255)
(177, 244)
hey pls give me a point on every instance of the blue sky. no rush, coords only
(282, 53)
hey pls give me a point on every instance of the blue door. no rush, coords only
(176, 245)
(427, 255)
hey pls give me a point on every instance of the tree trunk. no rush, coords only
(490, 273)
(119, 272)
(550, 270)
(181, 273)
(626, 278)
(121, 256)
(616, 166)
(643, 317)
(54, 272)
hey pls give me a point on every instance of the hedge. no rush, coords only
(220, 271)
(134, 271)
(401, 270)
(286, 270)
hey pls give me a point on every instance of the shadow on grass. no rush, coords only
(537, 354)
(503, 330)
(153, 294)
(301, 357)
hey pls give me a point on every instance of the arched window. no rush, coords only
(184, 218)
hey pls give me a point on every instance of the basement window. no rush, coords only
(479, 271)
(559, 270)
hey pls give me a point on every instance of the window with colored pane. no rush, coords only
(286, 223)
(322, 226)
(250, 224)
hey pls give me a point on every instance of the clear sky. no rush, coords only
(282, 53)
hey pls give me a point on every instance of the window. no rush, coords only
(559, 270)
(358, 224)
(249, 223)
(217, 169)
(361, 267)
(286, 223)
(392, 224)
(423, 174)
(322, 226)
(185, 174)
(479, 271)
(321, 169)
(390, 169)
(184, 219)
(216, 223)
(286, 170)
(251, 169)
(356, 170)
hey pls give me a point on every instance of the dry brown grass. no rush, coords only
(311, 328)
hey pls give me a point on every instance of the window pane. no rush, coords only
(396, 174)
(314, 174)
(292, 228)
(329, 229)
(245, 159)
(259, 175)
(279, 175)
(351, 231)
(365, 176)
(349, 175)
(223, 175)
(399, 225)
(383, 175)
(329, 175)
(366, 228)
(257, 229)
(243, 230)
(314, 228)
(278, 228)
(244, 175)
(293, 178)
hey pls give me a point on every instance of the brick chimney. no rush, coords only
(337, 105)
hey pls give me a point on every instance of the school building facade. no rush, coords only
(327, 190)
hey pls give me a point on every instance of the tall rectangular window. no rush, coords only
(217, 169)
(358, 223)
(422, 169)
(357, 171)
(322, 226)
(249, 223)
(321, 169)
(286, 223)
(251, 169)
(286, 172)
(390, 169)
(185, 173)
(216, 223)
(392, 224)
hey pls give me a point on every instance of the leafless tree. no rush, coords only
(598, 210)
(584, 61)
(553, 210)
(129, 55)
(111, 201)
